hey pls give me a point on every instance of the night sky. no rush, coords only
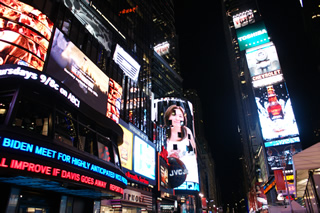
(204, 67)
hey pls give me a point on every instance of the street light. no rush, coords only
(283, 164)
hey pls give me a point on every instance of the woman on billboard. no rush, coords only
(180, 140)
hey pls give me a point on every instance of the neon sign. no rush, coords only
(131, 10)
(60, 156)
(43, 79)
(52, 171)
(137, 178)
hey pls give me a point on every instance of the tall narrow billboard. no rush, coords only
(176, 116)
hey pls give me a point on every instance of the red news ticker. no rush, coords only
(51, 171)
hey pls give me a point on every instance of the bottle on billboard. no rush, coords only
(274, 109)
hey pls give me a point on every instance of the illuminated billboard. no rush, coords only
(25, 35)
(176, 117)
(31, 158)
(125, 149)
(144, 158)
(162, 48)
(275, 112)
(252, 35)
(264, 65)
(77, 72)
(114, 100)
(243, 19)
(91, 22)
(128, 65)
(137, 155)
(279, 156)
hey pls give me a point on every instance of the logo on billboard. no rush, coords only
(177, 172)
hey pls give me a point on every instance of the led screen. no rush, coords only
(162, 48)
(164, 173)
(114, 101)
(176, 117)
(243, 19)
(278, 155)
(275, 112)
(252, 35)
(144, 158)
(125, 149)
(91, 22)
(24, 33)
(75, 70)
(129, 66)
(263, 64)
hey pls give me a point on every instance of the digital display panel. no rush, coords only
(252, 35)
(164, 173)
(144, 158)
(125, 149)
(243, 19)
(24, 33)
(91, 22)
(51, 161)
(278, 155)
(275, 112)
(176, 117)
(114, 101)
(128, 65)
(264, 65)
(162, 48)
(77, 72)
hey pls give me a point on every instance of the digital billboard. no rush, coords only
(24, 33)
(91, 22)
(278, 155)
(264, 65)
(275, 112)
(128, 65)
(242, 19)
(125, 149)
(144, 158)
(162, 48)
(114, 101)
(252, 35)
(176, 117)
(77, 72)
(137, 155)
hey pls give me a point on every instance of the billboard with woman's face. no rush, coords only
(24, 35)
(176, 117)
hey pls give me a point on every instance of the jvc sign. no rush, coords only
(252, 35)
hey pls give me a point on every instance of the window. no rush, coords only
(32, 116)
(5, 101)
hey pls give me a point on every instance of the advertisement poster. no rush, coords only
(278, 156)
(275, 112)
(75, 70)
(176, 116)
(91, 22)
(24, 33)
(125, 149)
(243, 19)
(144, 158)
(114, 101)
(263, 64)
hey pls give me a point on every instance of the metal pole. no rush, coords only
(285, 177)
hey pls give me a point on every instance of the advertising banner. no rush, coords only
(137, 155)
(264, 66)
(176, 117)
(279, 156)
(243, 19)
(275, 112)
(24, 33)
(77, 72)
(252, 35)
(91, 22)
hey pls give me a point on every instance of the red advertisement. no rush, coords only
(278, 175)
(24, 33)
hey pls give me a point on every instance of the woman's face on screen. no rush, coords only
(176, 117)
